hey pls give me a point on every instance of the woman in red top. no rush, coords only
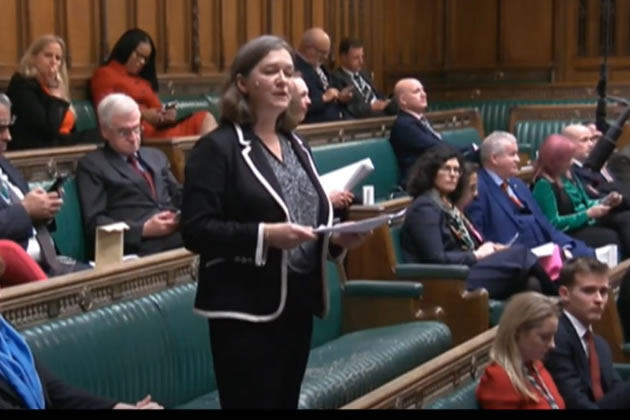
(516, 377)
(131, 70)
(18, 267)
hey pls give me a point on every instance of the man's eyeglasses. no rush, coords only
(5, 125)
(128, 132)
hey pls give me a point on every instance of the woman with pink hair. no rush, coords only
(563, 199)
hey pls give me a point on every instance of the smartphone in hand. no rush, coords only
(57, 185)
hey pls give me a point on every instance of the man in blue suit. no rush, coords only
(581, 363)
(505, 206)
(412, 134)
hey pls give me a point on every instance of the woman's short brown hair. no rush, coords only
(235, 106)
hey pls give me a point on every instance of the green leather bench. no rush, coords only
(156, 345)
(386, 175)
(464, 397)
(496, 112)
(69, 235)
(86, 118)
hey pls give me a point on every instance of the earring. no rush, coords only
(257, 84)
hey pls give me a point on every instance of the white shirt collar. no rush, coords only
(577, 163)
(496, 178)
(352, 74)
(415, 114)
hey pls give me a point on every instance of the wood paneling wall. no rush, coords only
(442, 41)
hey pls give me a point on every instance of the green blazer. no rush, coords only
(550, 204)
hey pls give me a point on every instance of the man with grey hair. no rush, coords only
(505, 210)
(123, 182)
(27, 217)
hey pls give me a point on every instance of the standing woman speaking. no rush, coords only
(251, 199)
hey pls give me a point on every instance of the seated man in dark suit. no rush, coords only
(123, 182)
(504, 209)
(27, 217)
(366, 100)
(581, 363)
(326, 101)
(597, 184)
(411, 134)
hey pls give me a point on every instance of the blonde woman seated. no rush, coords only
(516, 377)
(39, 91)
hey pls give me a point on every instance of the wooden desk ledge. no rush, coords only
(37, 302)
(433, 378)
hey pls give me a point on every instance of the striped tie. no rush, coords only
(364, 88)
(322, 77)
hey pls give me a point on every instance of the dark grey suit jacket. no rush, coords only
(357, 107)
(111, 191)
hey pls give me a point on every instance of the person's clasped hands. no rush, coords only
(290, 235)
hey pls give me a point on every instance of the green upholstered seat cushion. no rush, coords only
(69, 236)
(462, 398)
(206, 402)
(462, 138)
(496, 310)
(120, 352)
(151, 345)
(349, 367)
(385, 176)
(330, 327)
(85, 115)
(623, 369)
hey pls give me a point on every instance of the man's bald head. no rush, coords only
(410, 96)
(583, 138)
(315, 46)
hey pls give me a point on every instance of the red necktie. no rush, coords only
(144, 174)
(593, 363)
(515, 200)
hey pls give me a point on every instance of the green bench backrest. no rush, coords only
(189, 104)
(151, 345)
(85, 115)
(329, 328)
(462, 137)
(69, 235)
(496, 113)
(394, 231)
(386, 173)
(463, 398)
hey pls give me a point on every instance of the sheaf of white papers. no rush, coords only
(608, 254)
(545, 250)
(348, 177)
(362, 226)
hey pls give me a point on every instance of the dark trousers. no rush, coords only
(261, 365)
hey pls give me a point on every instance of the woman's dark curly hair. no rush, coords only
(127, 44)
(423, 173)
(469, 168)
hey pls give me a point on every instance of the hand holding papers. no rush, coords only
(348, 177)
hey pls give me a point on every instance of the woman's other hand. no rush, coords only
(597, 211)
(287, 235)
(485, 250)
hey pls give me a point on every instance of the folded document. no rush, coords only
(362, 226)
(348, 177)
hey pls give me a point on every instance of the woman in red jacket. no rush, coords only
(131, 69)
(516, 377)
(19, 267)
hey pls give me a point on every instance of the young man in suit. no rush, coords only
(27, 217)
(581, 363)
(505, 209)
(327, 102)
(412, 134)
(123, 182)
(366, 100)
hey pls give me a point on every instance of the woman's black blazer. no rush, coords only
(230, 191)
(39, 115)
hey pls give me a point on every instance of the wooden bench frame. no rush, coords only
(419, 387)
(45, 164)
